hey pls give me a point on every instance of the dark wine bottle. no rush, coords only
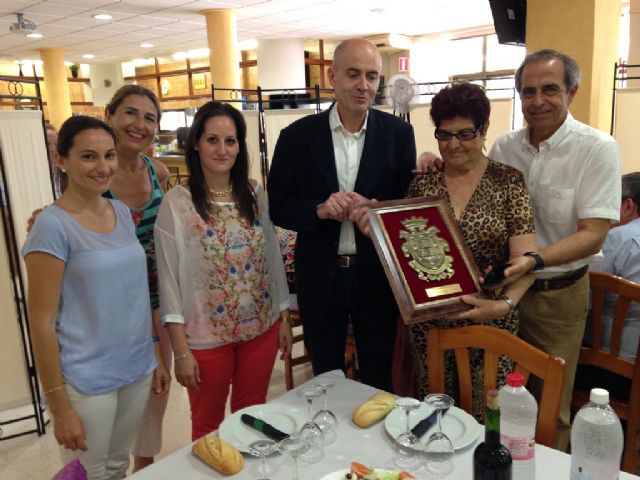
(491, 459)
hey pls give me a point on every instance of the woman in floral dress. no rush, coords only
(223, 288)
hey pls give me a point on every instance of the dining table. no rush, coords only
(371, 446)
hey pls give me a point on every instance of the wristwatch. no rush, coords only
(539, 261)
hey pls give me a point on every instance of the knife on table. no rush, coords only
(263, 427)
(425, 424)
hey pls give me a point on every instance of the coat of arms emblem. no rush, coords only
(427, 250)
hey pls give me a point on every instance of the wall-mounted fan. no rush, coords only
(401, 93)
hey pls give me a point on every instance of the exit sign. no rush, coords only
(403, 64)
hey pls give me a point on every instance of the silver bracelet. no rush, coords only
(508, 301)
(183, 356)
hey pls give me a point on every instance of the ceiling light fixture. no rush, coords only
(102, 16)
(88, 56)
(25, 27)
(146, 45)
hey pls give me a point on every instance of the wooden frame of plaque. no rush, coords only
(424, 256)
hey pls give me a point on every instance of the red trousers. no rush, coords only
(245, 365)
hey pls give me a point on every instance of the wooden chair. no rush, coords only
(626, 408)
(290, 361)
(495, 342)
(174, 178)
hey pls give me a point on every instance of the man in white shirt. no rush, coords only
(323, 166)
(573, 175)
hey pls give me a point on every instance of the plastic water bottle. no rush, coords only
(596, 440)
(518, 415)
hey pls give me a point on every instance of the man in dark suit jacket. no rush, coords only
(323, 167)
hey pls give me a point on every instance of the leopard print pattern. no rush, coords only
(498, 209)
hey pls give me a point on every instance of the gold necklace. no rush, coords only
(222, 193)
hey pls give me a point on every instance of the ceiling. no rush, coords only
(178, 25)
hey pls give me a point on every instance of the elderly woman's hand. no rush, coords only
(484, 309)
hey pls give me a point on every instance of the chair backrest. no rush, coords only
(626, 408)
(291, 361)
(602, 283)
(496, 342)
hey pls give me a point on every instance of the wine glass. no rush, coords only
(311, 431)
(407, 446)
(262, 448)
(325, 418)
(439, 451)
(294, 446)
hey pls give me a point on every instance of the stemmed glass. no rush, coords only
(325, 418)
(407, 446)
(439, 451)
(262, 448)
(311, 431)
(294, 446)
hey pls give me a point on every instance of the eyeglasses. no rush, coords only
(465, 134)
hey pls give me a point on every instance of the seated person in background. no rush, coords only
(621, 251)
(491, 205)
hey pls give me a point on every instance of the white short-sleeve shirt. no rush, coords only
(574, 174)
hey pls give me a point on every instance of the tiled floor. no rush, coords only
(37, 458)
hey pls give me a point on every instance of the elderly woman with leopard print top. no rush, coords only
(491, 204)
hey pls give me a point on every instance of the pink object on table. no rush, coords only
(73, 470)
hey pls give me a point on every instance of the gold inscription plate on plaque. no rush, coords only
(444, 290)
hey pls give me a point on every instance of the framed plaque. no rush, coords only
(424, 256)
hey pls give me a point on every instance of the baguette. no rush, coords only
(374, 409)
(218, 454)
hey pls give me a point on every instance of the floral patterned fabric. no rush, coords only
(287, 239)
(219, 277)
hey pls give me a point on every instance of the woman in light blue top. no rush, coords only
(89, 306)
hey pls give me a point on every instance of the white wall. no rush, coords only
(99, 74)
(281, 63)
(626, 128)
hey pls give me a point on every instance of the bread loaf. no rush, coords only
(218, 454)
(374, 409)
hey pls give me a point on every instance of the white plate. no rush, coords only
(341, 474)
(461, 428)
(285, 418)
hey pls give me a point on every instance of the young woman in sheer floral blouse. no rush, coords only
(223, 288)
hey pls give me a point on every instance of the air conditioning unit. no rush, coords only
(23, 26)
(391, 43)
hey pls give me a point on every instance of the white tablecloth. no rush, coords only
(370, 446)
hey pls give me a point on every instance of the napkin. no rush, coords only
(425, 424)
(263, 427)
